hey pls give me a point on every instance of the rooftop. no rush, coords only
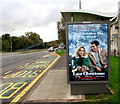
(91, 12)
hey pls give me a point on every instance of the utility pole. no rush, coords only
(79, 4)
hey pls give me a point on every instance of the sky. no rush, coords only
(41, 16)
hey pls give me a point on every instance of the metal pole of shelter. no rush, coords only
(79, 4)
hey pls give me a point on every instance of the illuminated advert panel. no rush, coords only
(88, 51)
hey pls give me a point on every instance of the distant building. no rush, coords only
(114, 35)
(119, 27)
(115, 32)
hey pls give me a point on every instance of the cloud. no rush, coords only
(101, 5)
(47, 33)
(41, 15)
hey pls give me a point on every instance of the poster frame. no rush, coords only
(67, 53)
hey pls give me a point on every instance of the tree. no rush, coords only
(6, 42)
(61, 31)
(6, 36)
(0, 43)
(21, 42)
(34, 37)
(17, 42)
(5, 45)
(63, 35)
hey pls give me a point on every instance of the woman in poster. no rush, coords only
(80, 61)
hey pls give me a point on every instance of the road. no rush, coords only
(22, 71)
(11, 61)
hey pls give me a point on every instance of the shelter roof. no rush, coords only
(90, 12)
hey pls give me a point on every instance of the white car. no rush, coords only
(51, 49)
(61, 47)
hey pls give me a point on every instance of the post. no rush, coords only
(79, 4)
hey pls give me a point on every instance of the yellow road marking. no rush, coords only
(50, 54)
(9, 84)
(46, 55)
(17, 98)
(12, 88)
(8, 72)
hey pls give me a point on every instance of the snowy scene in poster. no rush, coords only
(82, 35)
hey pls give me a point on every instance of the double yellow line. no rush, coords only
(17, 98)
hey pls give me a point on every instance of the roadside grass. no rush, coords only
(32, 51)
(114, 84)
(24, 52)
(61, 52)
(5, 52)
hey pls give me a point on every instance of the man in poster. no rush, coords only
(98, 57)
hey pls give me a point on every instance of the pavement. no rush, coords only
(54, 87)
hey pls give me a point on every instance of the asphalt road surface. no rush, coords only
(22, 71)
(10, 61)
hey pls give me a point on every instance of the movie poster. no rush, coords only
(88, 51)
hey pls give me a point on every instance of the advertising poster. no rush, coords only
(88, 51)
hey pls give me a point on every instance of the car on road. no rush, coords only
(61, 47)
(51, 49)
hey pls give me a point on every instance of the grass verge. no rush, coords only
(114, 84)
(60, 52)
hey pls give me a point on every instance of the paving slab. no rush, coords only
(54, 87)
